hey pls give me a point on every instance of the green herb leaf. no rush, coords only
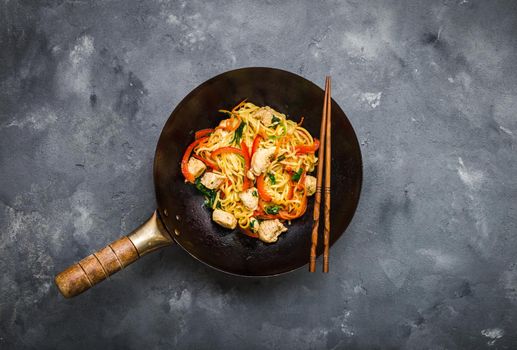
(272, 210)
(238, 133)
(254, 193)
(272, 178)
(208, 193)
(275, 120)
(252, 224)
(281, 158)
(297, 175)
(284, 128)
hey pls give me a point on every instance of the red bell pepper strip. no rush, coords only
(203, 132)
(231, 150)
(262, 189)
(256, 142)
(246, 183)
(264, 216)
(186, 156)
(282, 214)
(245, 149)
(207, 162)
(308, 149)
(248, 232)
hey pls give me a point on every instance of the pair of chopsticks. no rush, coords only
(324, 150)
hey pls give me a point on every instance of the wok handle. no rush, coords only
(114, 257)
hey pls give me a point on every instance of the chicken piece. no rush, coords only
(310, 185)
(195, 166)
(250, 175)
(265, 115)
(249, 198)
(225, 123)
(224, 219)
(221, 132)
(212, 180)
(254, 224)
(269, 230)
(261, 160)
(229, 124)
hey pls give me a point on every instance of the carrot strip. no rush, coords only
(308, 149)
(290, 194)
(207, 162)
(239, 105)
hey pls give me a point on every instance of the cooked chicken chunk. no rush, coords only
(254, 224)
(224, 219)
(249, 198)
(195, 166)
(310, 185)
(269, 230)
(265, 114)
(212, 180)
(221, 133)
(250, 175)
(225, 123)
(261, 160)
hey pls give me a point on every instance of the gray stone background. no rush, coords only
(429, 261)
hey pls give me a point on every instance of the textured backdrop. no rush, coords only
(429, 261)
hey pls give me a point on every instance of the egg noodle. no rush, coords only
(228, 150)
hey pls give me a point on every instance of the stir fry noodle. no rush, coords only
(253, 168)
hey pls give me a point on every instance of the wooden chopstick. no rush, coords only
(319, 177)
(328, 154)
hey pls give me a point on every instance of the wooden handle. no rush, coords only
(114, 257)
(96, 268)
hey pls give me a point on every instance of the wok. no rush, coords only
(182, 219)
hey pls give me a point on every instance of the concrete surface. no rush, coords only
(429, 261)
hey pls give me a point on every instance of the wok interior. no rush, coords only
(232, 251)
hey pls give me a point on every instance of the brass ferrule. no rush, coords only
(150, 236)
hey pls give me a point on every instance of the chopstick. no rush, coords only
(328, 154)
(319, 178)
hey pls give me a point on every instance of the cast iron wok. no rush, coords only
(181, 216)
